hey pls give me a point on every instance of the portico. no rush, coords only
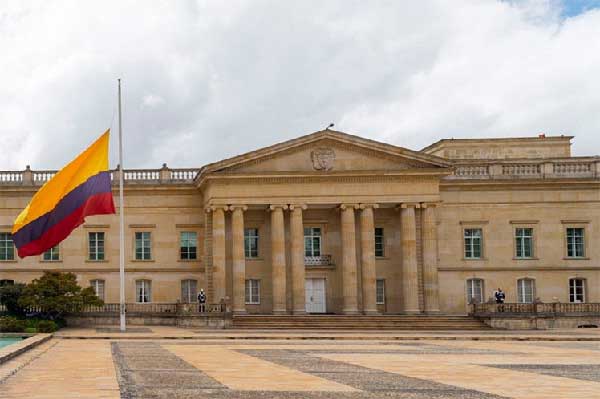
(313, 206)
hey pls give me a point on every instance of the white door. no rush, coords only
(315, 295)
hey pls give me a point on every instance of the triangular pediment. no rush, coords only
(327, 151)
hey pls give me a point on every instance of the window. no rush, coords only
(380, 290)
(524, 242)
(52, 254)
(4, 283)
(188, 245)
(473, 243)
(379, 242)
(312, 241)
(96, 245)
(575, 244)
(7, 249)
(252, 292)
(576, 290)
(98, 286)
(188, 291)
(251, 243)
(142, 246)
(525, 290)
(475, 290)
(143, 290)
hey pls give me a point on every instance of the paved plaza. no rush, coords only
(84, 366)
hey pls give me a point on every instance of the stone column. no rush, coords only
(239, 258)
(367, 246)
(430, 267)
(410, 280)
(278, 258)
(297, 259)
(218, 253)
(349, 277)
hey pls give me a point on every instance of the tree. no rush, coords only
(56, 294)
(9, 297)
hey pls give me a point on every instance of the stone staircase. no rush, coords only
(357, 322)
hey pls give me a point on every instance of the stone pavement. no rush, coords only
(226, 368)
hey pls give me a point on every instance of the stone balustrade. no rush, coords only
(583, 168)
(164, 175)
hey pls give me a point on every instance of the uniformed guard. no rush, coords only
(201, 301)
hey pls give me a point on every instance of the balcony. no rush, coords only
(323, 261)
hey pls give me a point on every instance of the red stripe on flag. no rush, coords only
(99, 204)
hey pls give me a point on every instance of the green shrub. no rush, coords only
(12, 324)
(47, 326)
(9, 297)
(31, 330)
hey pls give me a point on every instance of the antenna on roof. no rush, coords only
(330, 126)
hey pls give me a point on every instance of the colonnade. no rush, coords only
(349, 262)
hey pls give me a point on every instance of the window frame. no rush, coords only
(249, 252)
(471, 246)
(191, 295)
(249, 297)
(96, 246)
(572, 295)
(8, 247)
(135, 246)
(188, 247)
(146, 285)
(521, 292)
(95, 283)
(51, 253)
(470, 290)
(380, 300)
(381, 237)
(522, 245)
(583, 242)
(312, 237)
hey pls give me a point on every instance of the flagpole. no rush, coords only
(121, 225)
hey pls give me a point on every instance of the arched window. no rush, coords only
(577, 290)
(475, 290)
(98, 286)
(189, 290)
(143, 291)
(525, 290)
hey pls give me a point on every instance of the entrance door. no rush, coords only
(315, 295)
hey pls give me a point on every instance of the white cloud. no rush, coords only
(205, 80)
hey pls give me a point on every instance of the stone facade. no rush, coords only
(361, 226)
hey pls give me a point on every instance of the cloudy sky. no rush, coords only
(205, 80)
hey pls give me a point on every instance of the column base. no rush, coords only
(411, 312)
(240, 312)
(280, 312)
(299, 312)
(351, 312)
(433, 311)
(372, 312)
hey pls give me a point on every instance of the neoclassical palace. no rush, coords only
(334, 223)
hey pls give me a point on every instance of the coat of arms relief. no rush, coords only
(323, 159)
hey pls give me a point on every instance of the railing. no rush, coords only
(154, 308)
(588, 167)
(323, 260)
(164, 175)
(532, 309)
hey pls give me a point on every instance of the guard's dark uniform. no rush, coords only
(201, 302)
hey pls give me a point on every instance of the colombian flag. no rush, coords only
(80, 189)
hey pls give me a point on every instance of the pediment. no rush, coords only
(327, 152)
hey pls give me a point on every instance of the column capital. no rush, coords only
(298, 206)
(425, 205)
(237, 206)
(272, 207)
(365, 206)
(214, 207)
(348, 206)
(406, 205)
